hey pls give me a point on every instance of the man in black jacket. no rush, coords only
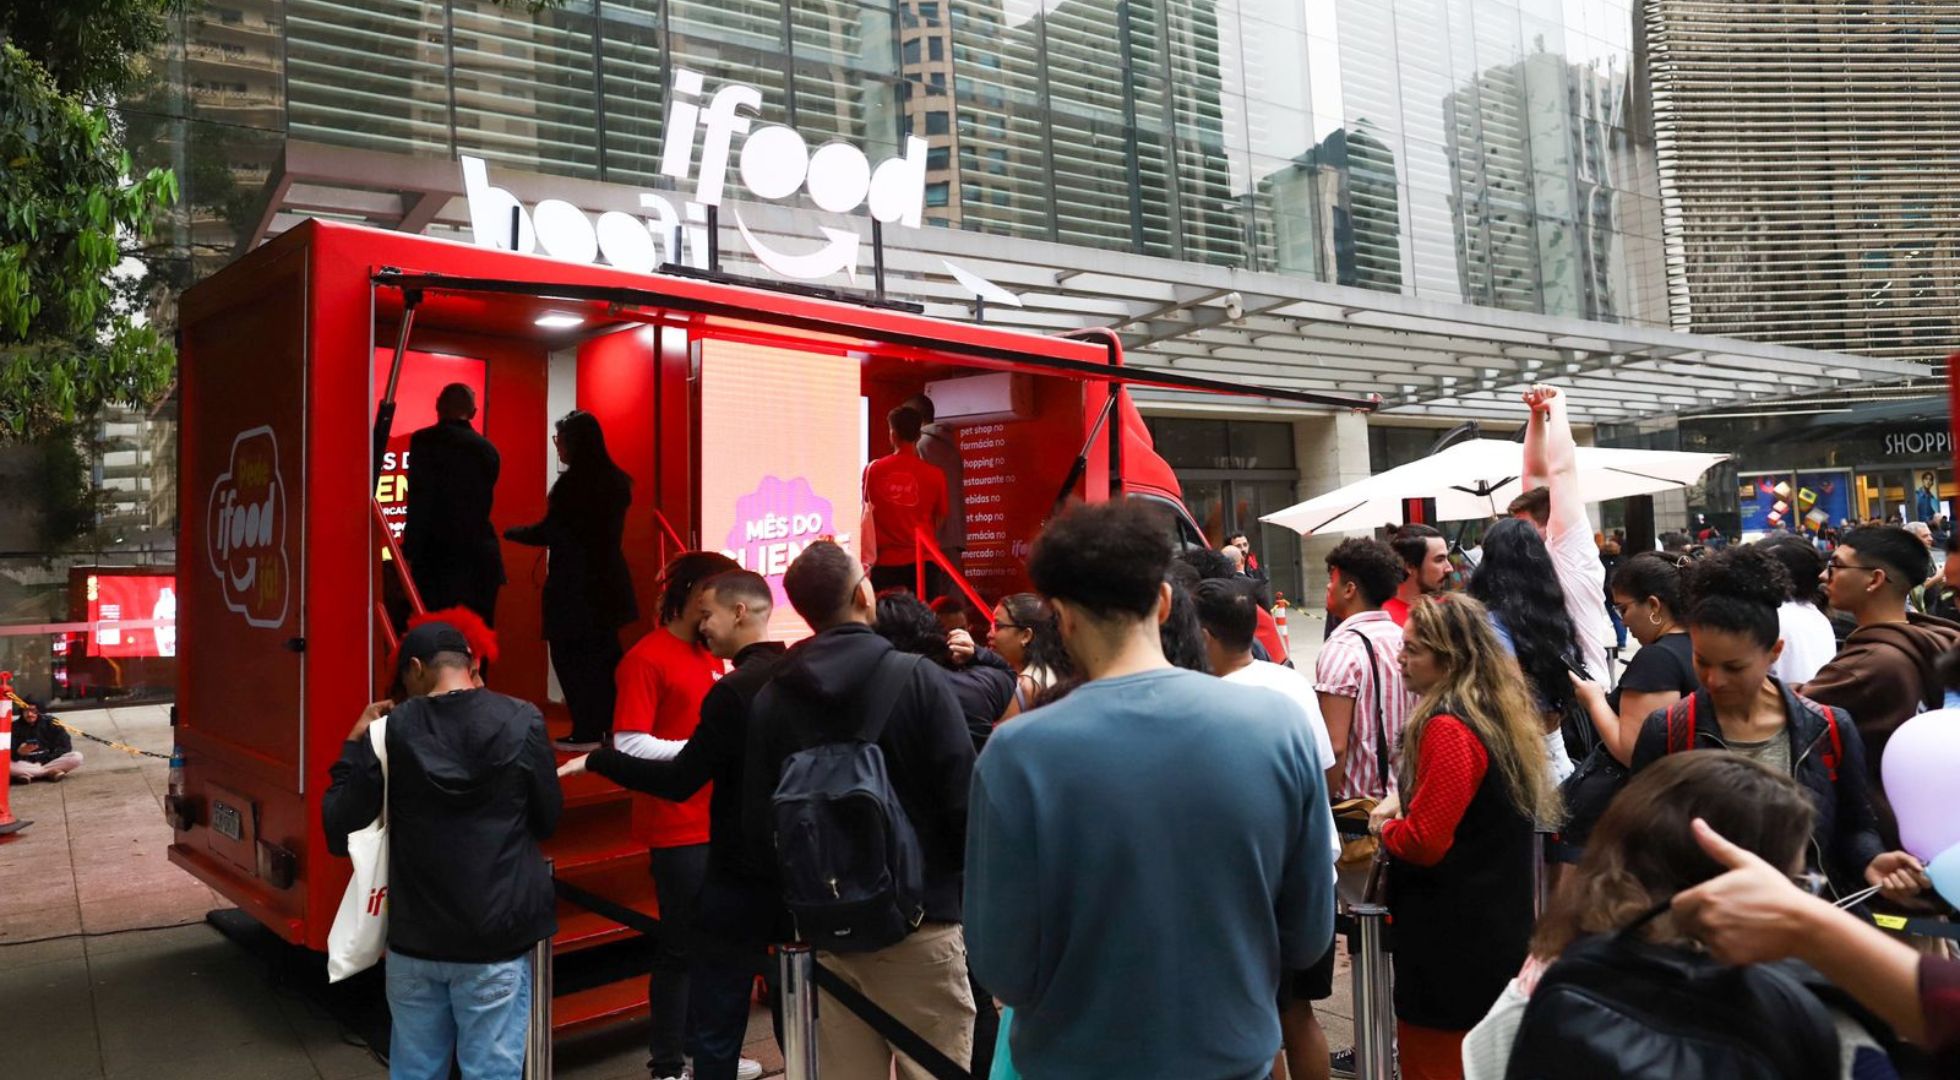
(739, 906)
(921, 980)
(470, 791)
(448, 540)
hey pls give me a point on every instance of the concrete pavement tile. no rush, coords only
(243, 1061)
(57, 987)
(30, 924)
(179, 940)
(118, 918)
(61, 950)
(28, 889)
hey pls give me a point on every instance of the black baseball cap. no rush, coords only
(430, 638)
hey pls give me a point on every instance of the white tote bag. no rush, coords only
(360, 929)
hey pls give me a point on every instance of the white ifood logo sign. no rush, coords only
(775, 163)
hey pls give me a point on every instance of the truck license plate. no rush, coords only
(225, 821)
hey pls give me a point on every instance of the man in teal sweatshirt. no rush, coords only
(1147, 855)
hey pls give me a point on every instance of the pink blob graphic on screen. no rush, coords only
(773, 524)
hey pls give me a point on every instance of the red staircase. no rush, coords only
(594, 849)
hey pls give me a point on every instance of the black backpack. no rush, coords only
(1614, 1005)
(852, 872)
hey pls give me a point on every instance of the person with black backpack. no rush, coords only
(1616, 986)
(1730, 611)
(863, 765)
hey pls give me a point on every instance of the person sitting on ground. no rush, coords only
(1460, 833)
(1518, 583)
(1172, 971)
(1886, 672)
(1647, 594)
(1426, 555)
(1642, 855)
(471, 790)
(1808, 639)
(1025, 636)
(42, 748)
(983, 681)
(1730, 610)
(1225, 610)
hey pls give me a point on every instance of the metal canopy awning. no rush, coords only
(1425, 357)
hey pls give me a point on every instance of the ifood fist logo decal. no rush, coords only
(245, 530)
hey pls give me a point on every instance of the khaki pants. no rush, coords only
(921, 981)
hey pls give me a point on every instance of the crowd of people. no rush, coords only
(1111, 834)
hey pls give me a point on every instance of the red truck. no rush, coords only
(743, 414)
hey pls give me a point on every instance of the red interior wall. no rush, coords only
(1034, 455)
(617, 384)
(513, 413)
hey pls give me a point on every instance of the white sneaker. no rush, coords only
(745, 1069)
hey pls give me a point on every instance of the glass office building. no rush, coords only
(1489, 152)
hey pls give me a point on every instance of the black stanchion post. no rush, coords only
(799, 996)
(1374, 1001)
(537, 1039)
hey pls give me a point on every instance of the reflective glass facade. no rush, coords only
(1809, 155)
(1481, 151)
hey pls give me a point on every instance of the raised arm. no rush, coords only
(1551, 459)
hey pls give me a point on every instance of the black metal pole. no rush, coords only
(384, 415)
(878, 259)
(714, 240)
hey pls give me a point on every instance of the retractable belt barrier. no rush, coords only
(758, 961)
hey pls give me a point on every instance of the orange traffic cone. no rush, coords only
(9, 824)
(1279, 620)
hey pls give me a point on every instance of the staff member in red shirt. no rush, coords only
(661, 683)
(904, 495)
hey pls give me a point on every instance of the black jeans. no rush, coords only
(677, 876)
(734, 915)
(585, 664)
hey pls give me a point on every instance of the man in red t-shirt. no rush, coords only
(904, 495)
(661, 682)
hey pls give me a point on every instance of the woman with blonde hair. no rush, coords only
(1460, 835)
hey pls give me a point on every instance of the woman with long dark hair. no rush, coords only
(1026, 637)
(1517, 582)
(588, 591)
(1730, 611)
(1460, 830)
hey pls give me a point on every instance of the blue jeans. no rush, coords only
(478, 1012)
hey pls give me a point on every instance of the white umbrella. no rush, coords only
(1478, 478)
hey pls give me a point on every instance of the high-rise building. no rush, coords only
(1810, 170)
(1439, 201)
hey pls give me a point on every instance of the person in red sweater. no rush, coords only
(661, 682)
(1459, 831)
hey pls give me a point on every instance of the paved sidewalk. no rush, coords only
(99, 932)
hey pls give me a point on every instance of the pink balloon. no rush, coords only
(1921, 767)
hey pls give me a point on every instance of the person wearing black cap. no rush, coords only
(471, 789)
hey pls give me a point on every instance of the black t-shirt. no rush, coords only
(1667, 664)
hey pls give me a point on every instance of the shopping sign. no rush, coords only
(775, 162)
(245, 530)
